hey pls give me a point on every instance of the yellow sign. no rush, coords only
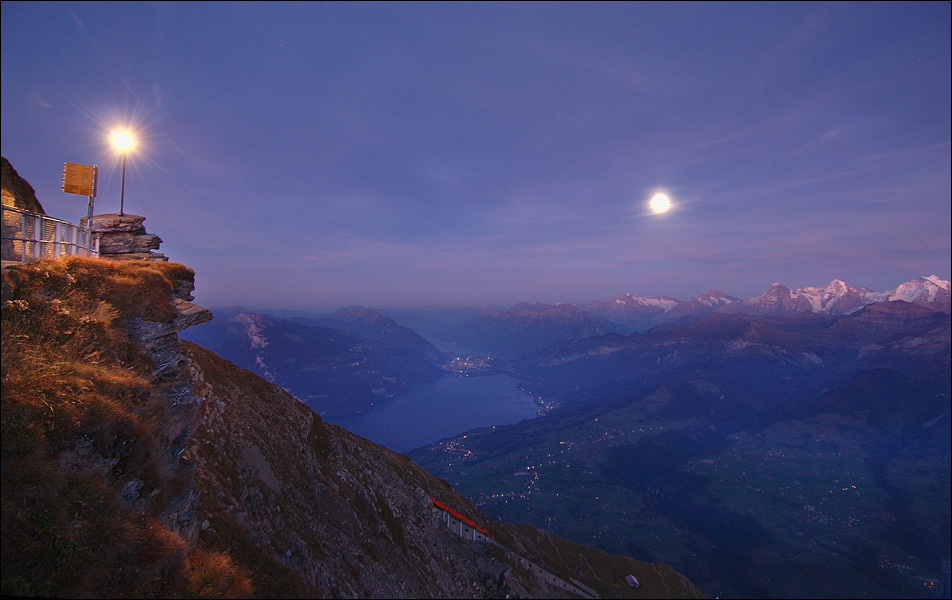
(79, 179)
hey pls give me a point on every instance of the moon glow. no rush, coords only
(660, 203)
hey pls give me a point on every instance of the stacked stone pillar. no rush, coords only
(123, 237)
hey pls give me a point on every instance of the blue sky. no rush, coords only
(317, 155)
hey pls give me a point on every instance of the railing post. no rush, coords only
(57, 245)
(37, 245)
(23, 249)
(22, 238)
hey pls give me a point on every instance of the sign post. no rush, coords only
(81, 180)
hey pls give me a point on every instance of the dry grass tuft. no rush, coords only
(214, 575)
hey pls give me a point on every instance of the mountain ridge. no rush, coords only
(527, 327)
(335, 367)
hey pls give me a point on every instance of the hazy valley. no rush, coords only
(794, 444)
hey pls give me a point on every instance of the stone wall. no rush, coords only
(123, 237)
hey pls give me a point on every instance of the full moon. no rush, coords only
(660, 203)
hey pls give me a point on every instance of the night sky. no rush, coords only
(312, 156)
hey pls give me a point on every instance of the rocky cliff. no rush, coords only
(16, 191)
(134, 464)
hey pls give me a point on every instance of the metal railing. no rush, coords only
(30, 236)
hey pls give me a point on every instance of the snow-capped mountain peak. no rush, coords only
(923, 289)
(630, 312)
(713, 298)
(628, 299)
(837, 297)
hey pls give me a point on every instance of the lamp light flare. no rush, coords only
(660, 203)
(122, 141)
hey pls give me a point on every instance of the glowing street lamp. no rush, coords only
(123, 141)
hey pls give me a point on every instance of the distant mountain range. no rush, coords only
(371, 324)
(772, 357)
(509, 333)
(342, 364)
(799, 432)
(835, 298)
(347, 361)
(838, 298)
(523, 328)
(629, 313)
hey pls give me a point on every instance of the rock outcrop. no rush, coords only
(123, 237)
(16, 191)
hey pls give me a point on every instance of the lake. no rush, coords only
(430, 412)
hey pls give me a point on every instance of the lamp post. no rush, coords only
(123, 141)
